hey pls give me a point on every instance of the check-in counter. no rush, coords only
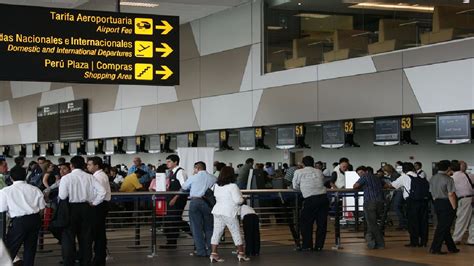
(449, 23)
(347, 44)
(394, 34)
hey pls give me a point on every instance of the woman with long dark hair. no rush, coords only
(228, 201)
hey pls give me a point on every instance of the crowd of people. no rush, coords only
(81, 188)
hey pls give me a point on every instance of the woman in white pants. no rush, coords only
(228, 201)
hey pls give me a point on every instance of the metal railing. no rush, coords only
(137, 222)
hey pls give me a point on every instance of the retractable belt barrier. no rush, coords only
(143, 222)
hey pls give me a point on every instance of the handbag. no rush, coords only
(209, 197)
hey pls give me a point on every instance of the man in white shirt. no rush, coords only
(464, 192)
(95, 166)
(23, 203)
(83, 192)
(174, 182)
(417, 206)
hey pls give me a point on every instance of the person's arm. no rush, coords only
(452, 193)
(99, 194)
(187, 184)
(236, 194)
(397, 183)
(296, 181)
(45, 180)
(453, 200)
(131, 170)
(63, 192)
(333, 180)
(360, 183)
(3, 202)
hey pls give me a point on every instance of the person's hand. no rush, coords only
(173, 202)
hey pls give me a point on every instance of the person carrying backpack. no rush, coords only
(416, 191)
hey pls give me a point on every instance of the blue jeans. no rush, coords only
(201, 226)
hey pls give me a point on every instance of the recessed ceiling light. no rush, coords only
(299, 3)
(138, 4)
(400, 6)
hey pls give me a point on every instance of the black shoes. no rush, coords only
(438, 252)
(454, 251)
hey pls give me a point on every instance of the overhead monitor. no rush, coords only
(453, 128)
(83, 46)
(333, 135)
(247, 139)
(73, 120)
(387, 131)
(90, 148)
(182, 141)
(131, 145)
(48, 123)
(57, 149)
(73, 147)
(213, 140)
(109, 146)
(286, 138)
(29, 150)
(154, 144)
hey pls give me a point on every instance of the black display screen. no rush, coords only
(48, 123)
(212, 140)
(182, 141)
(387, 129)
(73, 120)
(66, 45)
(286, 136)
(453, 126)
(247, 138)
(333, 133)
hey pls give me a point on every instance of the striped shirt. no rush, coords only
(373, 187)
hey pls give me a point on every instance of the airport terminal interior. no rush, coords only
(349, 91)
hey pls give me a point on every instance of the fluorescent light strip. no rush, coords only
(274, 28)
(312, 15)
(138, 4)
(394, 7)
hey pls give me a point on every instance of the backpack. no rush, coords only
(419, 188)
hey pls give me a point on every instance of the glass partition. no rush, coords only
(309, 32)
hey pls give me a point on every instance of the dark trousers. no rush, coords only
(202, 224)
(445, 215)
(100, 236)
(80, 225)
(173, 222)
(398, 206)
(373, 210)
(417, 214)
(251, 224)
(315, 208)
(24, 231)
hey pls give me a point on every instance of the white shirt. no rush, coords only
(81, 187)
(103, 180)
(228, 200)
(421, 173)
(21, 199)
(463, 187)
(118, 179)
(404, 181)
(181, 176)
(244, 210)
